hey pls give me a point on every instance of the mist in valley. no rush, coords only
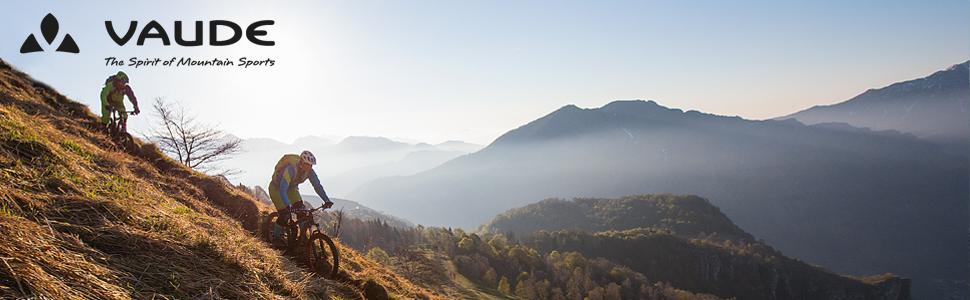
(854, 201)
(346, 164)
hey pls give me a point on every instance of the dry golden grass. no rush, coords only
(357, 266)
(83, 219)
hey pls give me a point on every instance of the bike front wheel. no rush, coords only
(324, 256)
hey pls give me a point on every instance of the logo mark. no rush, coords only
(48, 29)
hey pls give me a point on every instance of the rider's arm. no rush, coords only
(284, 180)
(315, 181)
(131, 97)
(104, 96)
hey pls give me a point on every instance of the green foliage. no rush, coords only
(75, 148)
(13, 130)
(181, 209)
(6, 211)
(113, 186)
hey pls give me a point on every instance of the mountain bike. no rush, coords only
(304, 238)
(116, 128)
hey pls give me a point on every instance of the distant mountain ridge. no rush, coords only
(370, 143)
(352, 209)
(935, 107)
(342, 166)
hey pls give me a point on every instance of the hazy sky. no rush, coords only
(472, 70)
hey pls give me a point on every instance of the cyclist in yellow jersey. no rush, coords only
(290, 172)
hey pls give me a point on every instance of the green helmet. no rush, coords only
(119, 76)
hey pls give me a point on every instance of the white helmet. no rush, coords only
(308, 157)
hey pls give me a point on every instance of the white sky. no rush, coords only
(472, 70)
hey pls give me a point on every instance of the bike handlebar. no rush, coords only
(131, 112)
(310, 210)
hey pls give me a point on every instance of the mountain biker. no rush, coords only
(291, 171)
(113, 99)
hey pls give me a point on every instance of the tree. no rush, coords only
(596, 294)
(489, 276)
(466, 244)
(525, 289)
(499, 243)
(503, 286)
(575, 260)
(196, 145)
(613, 292)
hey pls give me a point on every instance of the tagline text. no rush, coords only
(136, 62)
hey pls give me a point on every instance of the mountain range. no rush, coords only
(852, 199)
(935, 108)
(88, 216)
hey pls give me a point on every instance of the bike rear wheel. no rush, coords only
(288, 235)
(324, 256)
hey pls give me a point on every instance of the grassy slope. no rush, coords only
(81, 219)
(429, 268)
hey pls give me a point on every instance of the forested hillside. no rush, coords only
(636, 247)
(686, 216)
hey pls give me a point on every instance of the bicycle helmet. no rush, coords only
(122, 76)
(308, 157)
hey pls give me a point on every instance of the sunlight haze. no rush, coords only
(472, 70)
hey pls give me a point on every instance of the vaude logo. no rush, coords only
(155, 30)
(48, 29)
(254, 33)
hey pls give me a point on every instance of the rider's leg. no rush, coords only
(295, 198)
(105, 114)
(119, 108)
(124, 121)
(294, 195)
(275, 197)
(282, 217)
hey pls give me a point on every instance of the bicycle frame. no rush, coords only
(116, 121)
(304, 222)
